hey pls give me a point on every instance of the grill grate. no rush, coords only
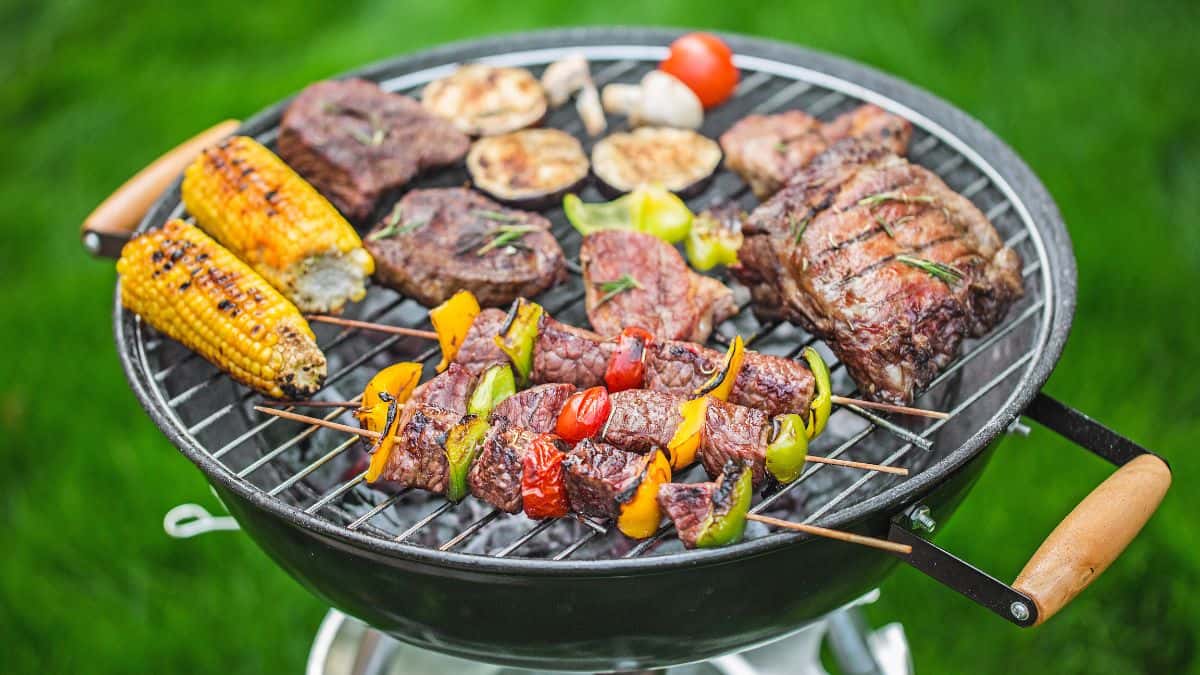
(314, 468)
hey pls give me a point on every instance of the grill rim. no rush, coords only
(966, 135)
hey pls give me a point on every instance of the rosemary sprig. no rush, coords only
(616, 287)
(393, 228)
(781, 147)
(497, 216)
(944, 272)
(895, 196)
(798, 227)
(886, 228)
(504, 235)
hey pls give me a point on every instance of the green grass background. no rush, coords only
(1100, 98)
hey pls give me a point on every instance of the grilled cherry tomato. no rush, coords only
(584, 413)
(627, 367)
(704, 63)
(543, 493)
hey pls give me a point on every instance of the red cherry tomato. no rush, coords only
(584, 413)
(627, 367)
(543, 493)
(705, 64)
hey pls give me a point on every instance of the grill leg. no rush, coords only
(859, 651)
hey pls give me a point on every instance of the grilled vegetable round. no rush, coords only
(529, 168)
(485, 100)
(679, 160)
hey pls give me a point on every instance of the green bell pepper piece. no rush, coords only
(496, 384)
(653, 210)
(727, 521)
(788, 449)
(519, 335)
(822, 403)
(711, 243)
(462, 446)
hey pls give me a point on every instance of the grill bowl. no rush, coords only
(571, 594)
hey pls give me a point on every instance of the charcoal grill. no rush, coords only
(572, 593)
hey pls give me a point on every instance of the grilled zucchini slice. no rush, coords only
(528, 168)
(680, 160)
(487, 100)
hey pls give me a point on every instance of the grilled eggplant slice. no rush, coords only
(529, 168)
(680, 160)
(487, 100)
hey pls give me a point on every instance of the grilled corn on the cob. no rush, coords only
(190, 288)
(270, 217)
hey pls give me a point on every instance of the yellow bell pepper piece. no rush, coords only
(686, 440)
(452, 321)
(379, 410)
(640, 516)
(720, 385)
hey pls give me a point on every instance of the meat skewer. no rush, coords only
(563, 353)
(447, 442)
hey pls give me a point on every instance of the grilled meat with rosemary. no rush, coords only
(767, 150)
(636, 279)
(883, 261)
(439, 241)
(356, 142)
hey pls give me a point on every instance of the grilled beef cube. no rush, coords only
(479, 350)
(773, 384)
(495, 477)
(670, 300)
(767, 150)
(535, 408)
(419, 458)
(734, 433)
(693, 506)
(355, 142)
(450, 390)
(571, 355)
(599, 477)
(641, 420)
(440, 241)
(893, 268)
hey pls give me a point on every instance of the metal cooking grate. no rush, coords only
(314, 469)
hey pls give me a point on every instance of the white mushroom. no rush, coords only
(659, 100)
(564, 77)
(587, 104)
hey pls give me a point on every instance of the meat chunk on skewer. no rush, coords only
(734, 433)
(599, 477)
(660, 292)
(767, 150)
(883, 261)
(495, 477)
(641, 420)
(535, 408)
(436, 242)
(355, 142)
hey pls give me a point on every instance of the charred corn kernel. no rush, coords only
(267, 215)
(190, 288)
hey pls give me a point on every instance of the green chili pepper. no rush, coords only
(519, 335)
(653, 210)
(496, 384)
(711, 243)
(462, 445)
(731, 501)
(822, 403)
(788, 448)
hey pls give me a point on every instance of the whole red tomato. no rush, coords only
(704, 63)
(584, 413)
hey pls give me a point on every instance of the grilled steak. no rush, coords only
(355, 142)
(641, 420)
(893, 268)
(495, 477)
(599, 477)
(535, 408)
(734, 433)
(767, 150)
(418, 459)
(688, 505)
(436, 242)
(772, 384)
(670, 300)
(575, 356)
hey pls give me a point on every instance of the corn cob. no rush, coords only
(192, 289)
(266, 214)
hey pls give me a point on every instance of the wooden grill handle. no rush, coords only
(107, 228)
(1093, 534)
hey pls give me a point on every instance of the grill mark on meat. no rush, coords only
(495, 476)
(600, 477)
(641, 420)
(536, 408)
